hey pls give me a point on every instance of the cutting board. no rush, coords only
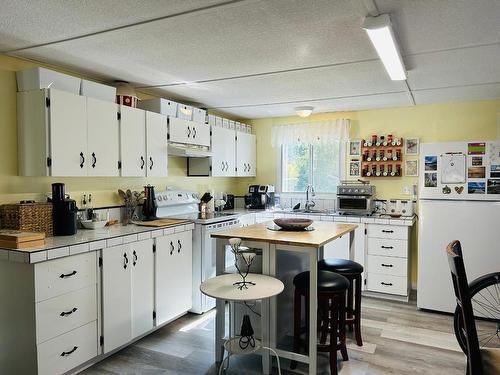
(15, 239)
(161, 222)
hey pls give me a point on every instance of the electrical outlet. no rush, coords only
(407, 190)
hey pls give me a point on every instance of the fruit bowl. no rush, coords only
(293, 223)
(89, 224)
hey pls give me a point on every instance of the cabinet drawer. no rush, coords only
(388, 231)
(61, 314)
(388, 265)
(384, 247)
(59, 355)
(387, 284)
(64, 275)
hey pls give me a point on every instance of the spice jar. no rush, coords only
(381, 141)
(379, 171)
(374, 169)
(398, 155)
(398, 170)
(390, 172)
(366, 154)
(389, 140)
(384, 173)
(365, 170)
(381, 155)
(388, 155)
(374, 140)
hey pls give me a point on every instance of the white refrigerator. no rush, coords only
(459, 199)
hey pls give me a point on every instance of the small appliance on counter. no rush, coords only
(259, 197)
(64, 212)
(356, 198)
(149, 206)
(400, 207)
(229, 202)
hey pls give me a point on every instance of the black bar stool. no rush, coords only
(332, 290)
(352, 271)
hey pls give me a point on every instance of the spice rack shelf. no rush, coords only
(391, 151)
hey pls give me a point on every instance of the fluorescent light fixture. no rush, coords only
(303, 111)
(380, 31)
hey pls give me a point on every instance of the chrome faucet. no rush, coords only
(309, 203)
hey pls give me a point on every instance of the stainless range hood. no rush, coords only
(186, 151)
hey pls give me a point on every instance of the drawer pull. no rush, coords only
(179, 246)
(387, 247)
(386, 265)
(134, 254)
(64, 275)
(63, 354)
(125, 261)
(171, 247)
(387, 231)
(386, 284)
(65, 313)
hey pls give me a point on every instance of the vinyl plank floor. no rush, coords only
(398, 339)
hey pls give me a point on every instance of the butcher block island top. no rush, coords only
(323, 233)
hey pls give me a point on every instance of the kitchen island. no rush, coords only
(276, 248)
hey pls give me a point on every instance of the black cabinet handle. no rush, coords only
(125, 262)
(94, 160)
(387, 231)
(249, 167)
(222, 166)
(64, 275)
(82, 159)
(387, 247)
(63, 354)
(189, 132)
(171, 247)
(194, 132)
(142, 162)
(134, 255)
(386, 265)
(64, 313)
(151, 165)
(179, 246)
(386, 284)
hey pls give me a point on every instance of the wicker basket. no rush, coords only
(33, 217)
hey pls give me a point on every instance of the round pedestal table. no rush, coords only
(223, 287)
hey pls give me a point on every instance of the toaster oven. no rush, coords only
(355, 199)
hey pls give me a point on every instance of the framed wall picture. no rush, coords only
(412, 146)
(354, 148)
(354, 168)
(411, 168)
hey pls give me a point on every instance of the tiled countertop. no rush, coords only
(325, 216)
(88, 240)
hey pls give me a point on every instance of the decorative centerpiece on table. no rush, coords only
(131, 199)
(243, 268)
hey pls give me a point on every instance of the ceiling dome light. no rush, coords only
(303, 111)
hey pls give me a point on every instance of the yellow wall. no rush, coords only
(14, 188)
(431, 123)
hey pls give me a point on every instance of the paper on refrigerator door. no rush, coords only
(453, 168)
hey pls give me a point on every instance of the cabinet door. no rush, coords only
(245, 154)
(180, 130)
(224, 149)
(173, 276)
(116, 296)
(156, 145)
(103, 138)
(142, 261)
(132, 142)
(200, 134)
(68, 134)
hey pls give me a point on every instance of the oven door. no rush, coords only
(355, 204)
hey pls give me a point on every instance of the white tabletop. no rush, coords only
(221, 287)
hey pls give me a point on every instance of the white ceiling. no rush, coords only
(254, 58)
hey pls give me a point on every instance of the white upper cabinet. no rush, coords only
(189, 132)
(156, 144)
(132, 142)
(224, 152)
(103, 138)
(245, 154)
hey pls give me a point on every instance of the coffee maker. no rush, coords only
(64, 212)
(259, 197)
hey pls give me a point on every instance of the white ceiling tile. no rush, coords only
(455, 68)
(429, 25)
(247, 38)
(450, 94)
(339, 81)
(24, 22)
(331, 105)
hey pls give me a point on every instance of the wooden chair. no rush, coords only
(479, 361)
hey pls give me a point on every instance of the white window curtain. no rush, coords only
(311, 132)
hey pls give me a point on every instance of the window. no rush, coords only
(318, 165)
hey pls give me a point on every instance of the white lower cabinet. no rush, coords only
(127, 292)
(174, 277)
(67, 351)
